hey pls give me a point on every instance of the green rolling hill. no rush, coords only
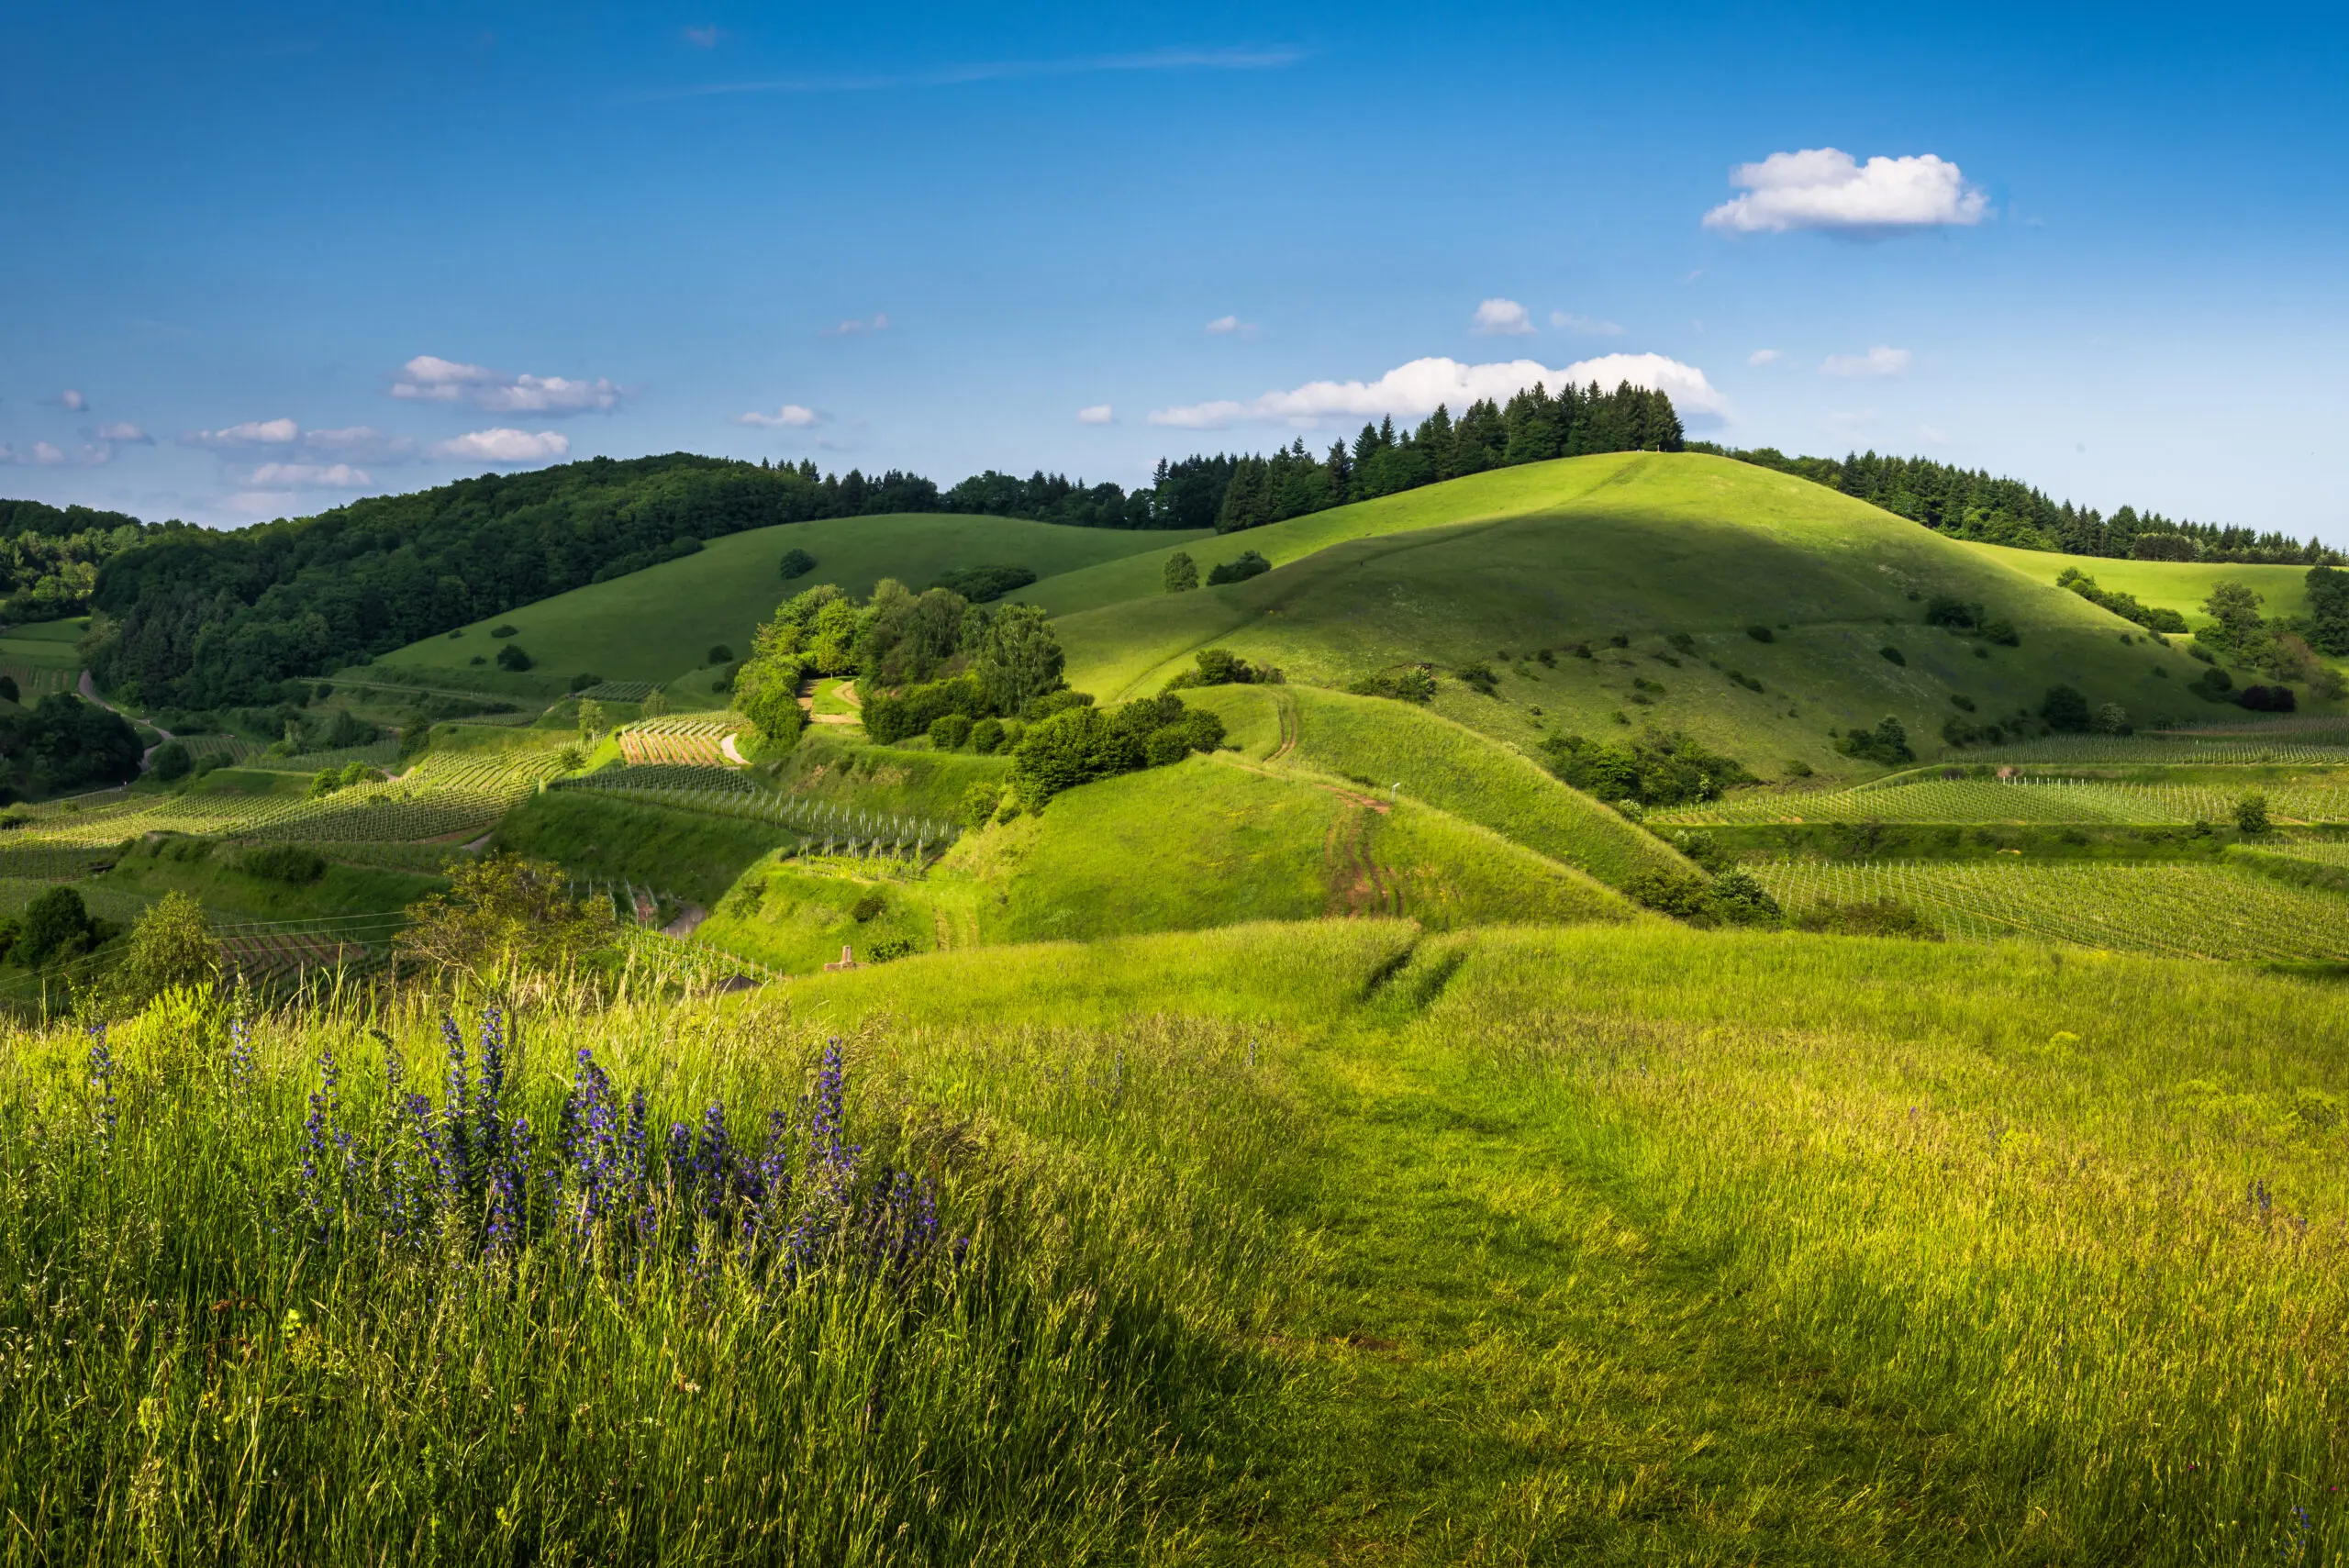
(658, 624)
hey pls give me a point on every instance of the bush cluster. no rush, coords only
(1081, 743)
(1667, 769)
(1222, 667)
(1412, 682)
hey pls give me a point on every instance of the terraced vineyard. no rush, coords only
(2179, 911)
(826, 829)
(677, 741)
(2323, 741)
(2084, 801)
(37, 681)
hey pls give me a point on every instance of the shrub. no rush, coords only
(1653, 770)
(1413, 683)
(1688, 644)
(1479, 674)
(1679, 894)
(979, 803)
(170, 946)
(1249, 564)
(502, 915)
(1884, 916)
(986, 736)
(2251, 812)
(1078, 745)
(890, 716)
(511, 657)
(1222, 667)
(2003, 632)
(8, 688)
(949, 730)
(583, 682)
(1182, 572)
(870, 906)
(289, 863)
(54, 927)
(1893, 654)
(1737, 898)
(2111, 719)
(503, 631)
(1953, 614)
(719, 653)
(1887, 743)
(983, 584)
(1761, 634)
(1051, 702)
(2269, 699)
(796, 564)
(2065, 708)
(171, 761)
(2212, 685)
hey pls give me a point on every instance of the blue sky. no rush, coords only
(255, 263)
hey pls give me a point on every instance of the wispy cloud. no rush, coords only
(704, 38)
(1824, 188)
(790, 416)
(1882, 360)
(1224, 326)
(1416, 388)
(1764, 357)
(284, 440)
(860, 327)
(504, 446)
(428, 378)
(306, 476)
(1501, 318)
(48, 454)
(1099, 414)
(1238, 59)
(123, 431)
(72, 400)
(1569, 322)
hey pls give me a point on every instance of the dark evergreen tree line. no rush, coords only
(1974, 504)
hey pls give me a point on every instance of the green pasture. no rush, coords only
(1502, 567)
(658, 625)
(898, 781)
(2179, 585)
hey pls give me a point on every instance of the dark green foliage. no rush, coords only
(892, 716)
(54, 927)
(1017, 659)
(2125, 605)
(2238, 631)
(949, 730)
(1887, 743)
(64, 743)
(1249, 564)
(1678, 894)
(796, 564)
(1222, 667)
(2329, 610)
(171, 761)
(2065, 708)
(1964, 732)
(1078, 745)
(1894, 654)
(1960, 700)
(48, 554)
(1182, 572)
(986, 736)
(1740, 677)
(871, 905)
(584, 682)
(2212, 685)
(2268, 699)
(1478, 674)
(1737, 898)
(2006, 511)
(1884, 916)
(1953, 614)
(981, 585)
(1652, 770)
(718, 654)
(504, 631)
(1412, 682)
(288, 864)
(8, 688)
(511, 657)
(2251, 814)
(1761, 634)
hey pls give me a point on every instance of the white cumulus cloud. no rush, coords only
(790, 416)
(1414, 389)
(1882, 360)
(308, 477)
(1099, 414)
(251, 433)
(69, 398)
(1764, 357)
(1501, 318)
(504, 446)
(428, 378)
(1586, 325)
(1824, 188)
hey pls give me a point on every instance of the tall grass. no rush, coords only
(246, 1316)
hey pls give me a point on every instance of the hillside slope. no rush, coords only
(2179, 585)
(658, 624)
(1691, 580)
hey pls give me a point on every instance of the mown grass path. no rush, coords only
(1503, 1359)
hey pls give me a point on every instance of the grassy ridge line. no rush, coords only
(2179, 585)
(656, 625)
(1671, 546)
(1507, 491)
(1447, 765)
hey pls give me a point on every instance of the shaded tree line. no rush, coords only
(1973, 505)
(50, 556)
